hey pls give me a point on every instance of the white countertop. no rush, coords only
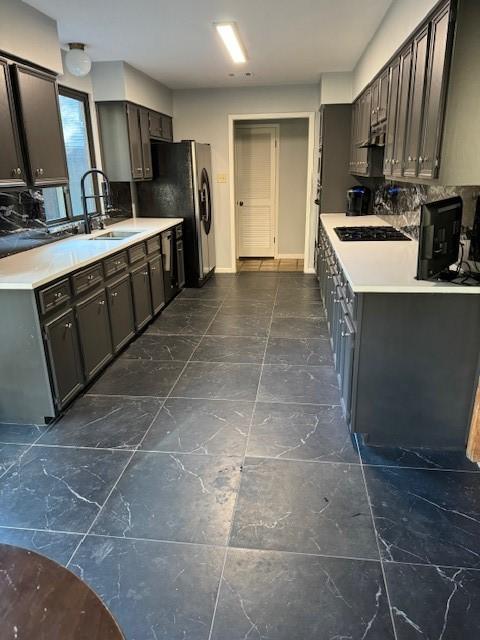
(35, 267)
(381, 267)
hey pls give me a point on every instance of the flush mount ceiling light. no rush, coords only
(231, 39)
(77, 60)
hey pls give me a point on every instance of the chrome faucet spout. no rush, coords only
(106, 195)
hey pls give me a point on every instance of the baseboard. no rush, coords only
(290, 256)
(225, 270)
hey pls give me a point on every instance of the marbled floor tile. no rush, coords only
(299, 328)
(20, 433)
(218, 380)
(138, 378)
(230, 325)
(10, 453)
(426, 516)
(155, 590)
(104, 421)
(253, 307)
(291, 295)
(205, 293)
(180, 324)
(297, 383)
(252, 292)
(298, 309)
(56, 546)
(309, 351)
(281, 596)
(59, 489)
(244, 349)
(199, 307)
(297, 281)
(301, 432)
(412, 457)
(221, 280)
(161, 496)
(307, 507)
(433, 602)
(200, 426)
(158, 347)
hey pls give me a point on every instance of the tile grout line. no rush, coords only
(227, 547)
(378, 545)
(137, 448)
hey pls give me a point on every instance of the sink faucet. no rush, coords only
(105, 194)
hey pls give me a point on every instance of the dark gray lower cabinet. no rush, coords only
(121, 312)
(94, 331)
(142, 304)
(61, 339)
(156, 282)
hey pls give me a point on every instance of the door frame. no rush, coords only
(310, 191)
(275, 126)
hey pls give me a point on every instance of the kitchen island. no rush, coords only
(70, 307)
(406, 351)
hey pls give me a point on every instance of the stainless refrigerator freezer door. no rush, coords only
(203, 176)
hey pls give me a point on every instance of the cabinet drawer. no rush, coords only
(153, 244)
(86, 279)
(115, 264)
(136, 253)
(54, 296)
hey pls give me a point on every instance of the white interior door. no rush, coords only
(255, 189)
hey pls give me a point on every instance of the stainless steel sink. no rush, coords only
(115, 235)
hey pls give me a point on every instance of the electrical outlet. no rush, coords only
(221, 178)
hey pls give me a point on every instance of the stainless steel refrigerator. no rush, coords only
(181, 188)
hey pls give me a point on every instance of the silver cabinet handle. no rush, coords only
(90, 277)
(114, 294)
(420, 159)
(68, 325)
(58, 295)
(101, 303)
(145, 273)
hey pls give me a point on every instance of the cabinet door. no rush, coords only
(365, 112)
(94, 330)
(155, 124)
(11, 163)
(142, 305)
(383, 97)
(167, 128)
(180, 265)
(415, 103)
(435, 89)
(156, 283)
(38, 100)
(120, 305)
(135, 141)
(394, 78)
(146, 149)
(375, 106)
(401, 123)
(64, 357)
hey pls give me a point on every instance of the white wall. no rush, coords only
(29, 34)
(400, 20)
(336, 88)
(202, 115)
(118, 80)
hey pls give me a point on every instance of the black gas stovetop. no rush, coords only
(369, 234)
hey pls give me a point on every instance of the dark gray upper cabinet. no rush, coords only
(160, 126)
(42, 128)
(64, 356)
(120, 305)
(375, 102)
(142, 303)
(415, 102)
(135, 141)
(145, 141)
(11, 161)
(94, 330)
(382, 97)
(441, 39)
(393, 85)
(402, 108)
(156, 283)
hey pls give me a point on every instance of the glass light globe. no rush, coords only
(78, 62)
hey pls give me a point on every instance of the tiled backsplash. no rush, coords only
(399, 204)
(23, 223)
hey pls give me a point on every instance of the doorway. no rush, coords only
(271, 173)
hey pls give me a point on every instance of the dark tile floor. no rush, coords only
(208, 489)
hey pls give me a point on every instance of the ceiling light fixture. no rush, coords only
(231, 39)
(77, 60)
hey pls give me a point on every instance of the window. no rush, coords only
(62, 203)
